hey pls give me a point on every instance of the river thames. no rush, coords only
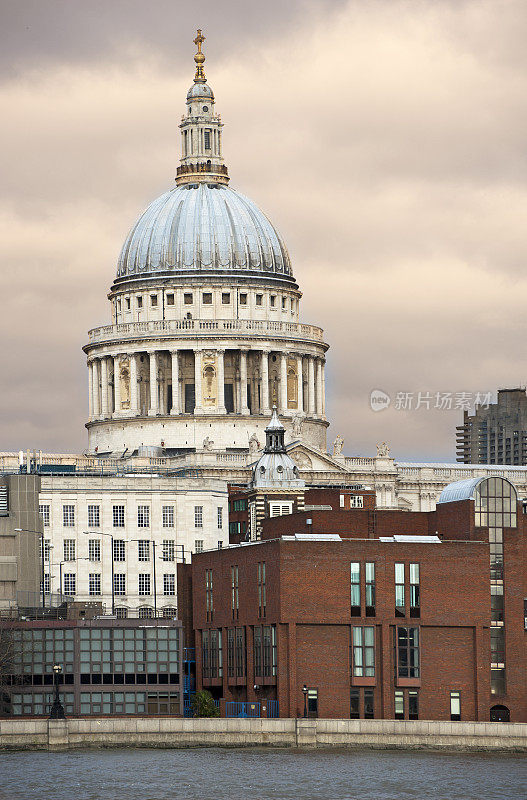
(262, 774)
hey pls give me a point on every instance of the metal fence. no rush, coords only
(243, 709)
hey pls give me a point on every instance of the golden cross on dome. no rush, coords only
(199, 58)
(199, 40)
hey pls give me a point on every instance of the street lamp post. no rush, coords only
(57, 709)
(41, 534)
(304, 692)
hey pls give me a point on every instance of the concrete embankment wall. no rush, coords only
(43, 734)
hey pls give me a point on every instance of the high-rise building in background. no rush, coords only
(495, 434)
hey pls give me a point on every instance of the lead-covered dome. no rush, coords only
(203, 227)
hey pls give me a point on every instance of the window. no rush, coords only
(139, 302)
(121, 612)
(312, 702)
(47, 549)
(399, 591)
(280, 509)
(143, 516)
(144, 584)
(169, 553)
(209, 599)
(119, 552)
(94, 549)
(198, 545)
(127, 301)
(225, 298)
(168, 516)
(170, 299)
(119, 584)
(262, 589)
(169, 612)
(284, 301)
(94, 584)
(259, 298)
(94, 517)
(198, 516)
(355, 704)
(240, 505)
(272, 300)
(370, 589)
(188, 299)
(145, 612)
(206, 139)
(363, 652)
(69, 549)
(44, 513)
(399, 704)
(169, 585)
(118, 516)
(236, 666)
(355, 589)
(212, 660)
(47, 583)
(234, 592)
(68, 516)
(407, 652)
(413, 704)
(143, 550)
(153, 300)
(356, 501)
(455, 706)
(69, 583)
(220, 518)
(265, 651)
(368, 704)
(415, 595)
(207, 298)
(243, 299)
(220, 544)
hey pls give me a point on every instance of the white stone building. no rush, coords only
(204, 338)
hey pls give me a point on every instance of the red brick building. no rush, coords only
(376, 613)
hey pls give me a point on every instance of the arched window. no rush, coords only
(500, 714)
(170, 612)
(145, 612)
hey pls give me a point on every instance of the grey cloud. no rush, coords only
(385, 140)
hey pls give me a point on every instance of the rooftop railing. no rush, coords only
(180, 328)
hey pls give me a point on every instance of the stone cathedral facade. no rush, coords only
(205, 334)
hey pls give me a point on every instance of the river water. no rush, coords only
(260, 774)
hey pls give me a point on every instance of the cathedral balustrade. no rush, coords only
(190, 327)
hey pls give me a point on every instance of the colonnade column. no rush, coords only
(265, 383)
(221, 381)
(90, 390)
(175, 382)
(323, 388)
(319, 388)
(283, 382)
(300, 384)
(116, 385)
(244, 408)
(104, 387)
(153, 410)
(96, 389)
(134, 394)
(198, 408)
(311, 386)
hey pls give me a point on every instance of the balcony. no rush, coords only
(213, 328)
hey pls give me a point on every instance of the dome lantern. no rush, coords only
(201, 153)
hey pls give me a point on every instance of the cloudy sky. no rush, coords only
(386, 139)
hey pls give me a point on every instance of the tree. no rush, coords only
(203, 705)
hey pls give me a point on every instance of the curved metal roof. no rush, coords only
(464, 490)
(203, 227)
(200, 90)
